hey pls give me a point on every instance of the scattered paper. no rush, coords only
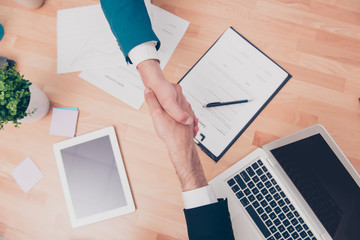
(63, 121)
(85, 40)
(86, 43)
(26, 174)
(122, 82)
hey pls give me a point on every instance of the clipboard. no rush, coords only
(201, 137)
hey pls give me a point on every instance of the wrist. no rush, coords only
(188, 167)
(151, 73)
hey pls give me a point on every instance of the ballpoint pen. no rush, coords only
(217, 104)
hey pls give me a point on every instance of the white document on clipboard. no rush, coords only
(232, 69)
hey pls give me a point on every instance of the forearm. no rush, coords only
(188, 167)
(151, 73)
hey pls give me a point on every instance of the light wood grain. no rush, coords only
(317, 41)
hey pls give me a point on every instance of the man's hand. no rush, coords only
(166, 95)
(179, 140)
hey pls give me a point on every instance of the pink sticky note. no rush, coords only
(26, 175)
(63, 122)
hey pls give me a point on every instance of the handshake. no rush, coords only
(175, 123)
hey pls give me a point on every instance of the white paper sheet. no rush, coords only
(231, 70)
(86, 43)
(123, 83)
(26, 174)
(85, 40)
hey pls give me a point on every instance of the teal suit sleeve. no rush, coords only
(130, 23)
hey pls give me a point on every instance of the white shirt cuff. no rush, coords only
(199, 197)
(144, 51)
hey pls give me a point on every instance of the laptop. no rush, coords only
(298, 187)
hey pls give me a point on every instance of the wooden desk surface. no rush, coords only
(317, 41)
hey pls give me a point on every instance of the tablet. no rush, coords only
(93, 177)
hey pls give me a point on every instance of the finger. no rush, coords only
(176, 112)
(152, 101)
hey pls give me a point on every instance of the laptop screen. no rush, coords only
(324, 183)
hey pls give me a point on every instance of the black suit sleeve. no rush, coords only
(209, 222)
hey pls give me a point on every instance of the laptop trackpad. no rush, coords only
(243, 228)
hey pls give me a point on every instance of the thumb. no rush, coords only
(152, 101)
(176, 112)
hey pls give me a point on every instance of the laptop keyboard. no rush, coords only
(268, 205)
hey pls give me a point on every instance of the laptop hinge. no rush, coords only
(323, 236)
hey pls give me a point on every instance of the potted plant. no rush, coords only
(20, 100)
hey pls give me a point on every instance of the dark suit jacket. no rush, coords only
(130, 23)
(209, 222)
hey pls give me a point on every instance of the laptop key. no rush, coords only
(271, 238)
(260, 210)
(264, 169)
(240, 181)
(301, 220)
(256, 204)
(277, 222)
(264, 203)
(244, 201)
(268, 197)
(264, 217)
(231, 182)
(285, 209)
(305, 227)
(251, 184)
(277, 210)
(245, 176)
(268, 184)
(295, 235)
(281, 203)
(290, 215)
(277, 235)
(290, 229)
(303, 234)
(264, 230)
(264, 191)
(273, 181)
(259, 197)
(272, 190)
(251, 198)
(287, 200)
(272, 215)
(255, 165)
(282, 216)
(260, 162)
(235, 188)
(268, 209)
(256, 179)
(268, 175)
(272, 203)
(296, 214)
(247, 192)
(263, 178)
(255, 190)
(276, 196)
(278, 188)
(273, 229)
(259, 172)
(310, 233)
(286, 234)
(294, 221)
(250, 171)
(260, 185)
(286, 222)
(239, 194)
(268, 223)
(291, 207)
(281, 228)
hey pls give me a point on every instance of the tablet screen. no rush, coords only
(93, 178)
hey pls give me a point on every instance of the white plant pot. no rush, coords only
(33, 4)
(38, 102)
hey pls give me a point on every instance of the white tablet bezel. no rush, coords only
(130, 207)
